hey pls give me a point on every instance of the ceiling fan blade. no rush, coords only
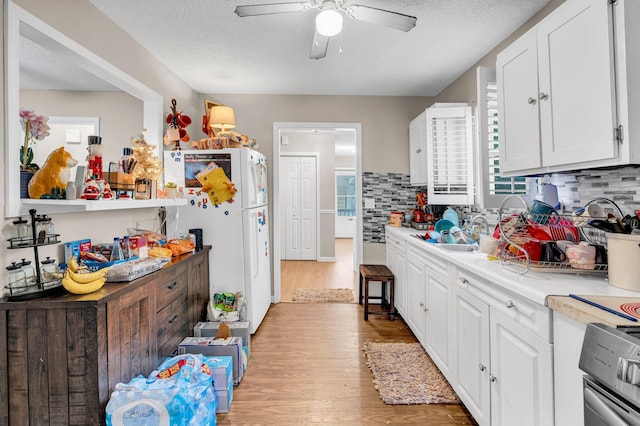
(387, 18)
(319, 46)
(270, 9)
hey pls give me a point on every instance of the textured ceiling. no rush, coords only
(215, 51)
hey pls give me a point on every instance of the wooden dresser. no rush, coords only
(61, 357)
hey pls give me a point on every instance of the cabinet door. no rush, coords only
(418, 150)
(396, 263)
(521, 375)
(471, 331)
(517, 74)
(576, 83)
(437, 322)
(132, 335)
(416, 286)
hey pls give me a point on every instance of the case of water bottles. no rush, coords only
(180, 392)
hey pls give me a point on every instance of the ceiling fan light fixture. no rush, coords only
(329, 23)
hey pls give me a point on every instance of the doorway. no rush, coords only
(281, 130)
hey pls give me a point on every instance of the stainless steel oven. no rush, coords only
(611, 359)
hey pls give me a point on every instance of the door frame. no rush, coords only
(278, 128)
(315, 155)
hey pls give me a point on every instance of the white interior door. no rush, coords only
(345, 203)
(299, 197)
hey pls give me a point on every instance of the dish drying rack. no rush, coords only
(517, 225)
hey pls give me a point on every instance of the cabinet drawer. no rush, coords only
(171, 286)
(173, 325)
(532, 316)
(397, 242)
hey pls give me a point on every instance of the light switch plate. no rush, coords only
(369, 203)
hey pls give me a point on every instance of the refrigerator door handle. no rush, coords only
(255, 264)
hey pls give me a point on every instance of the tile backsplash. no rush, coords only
(393, 192)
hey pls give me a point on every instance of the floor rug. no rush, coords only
(403, 373)
(323, 295)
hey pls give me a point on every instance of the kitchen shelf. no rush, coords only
(69, 206)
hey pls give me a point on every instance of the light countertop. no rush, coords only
(539, 287)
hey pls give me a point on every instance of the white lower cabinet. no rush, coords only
(438, 325)
(396, 262)
(504, 369)
(471, 325)
(568, 335)
(416, 292)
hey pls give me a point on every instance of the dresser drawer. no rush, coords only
(173, 325)
(171, 286)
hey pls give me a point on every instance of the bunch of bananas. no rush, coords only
(78, 282)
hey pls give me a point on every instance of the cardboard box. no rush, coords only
(209, 346)
(238, 329)
(222, 371)
(223, 399)
(74, 248)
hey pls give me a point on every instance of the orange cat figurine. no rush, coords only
(55, 173)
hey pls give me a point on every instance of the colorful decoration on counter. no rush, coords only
(51, 180)
(177, 124)
(91, 190)
(35, 129)
(216, 184)
(148, 166)
(94, 159)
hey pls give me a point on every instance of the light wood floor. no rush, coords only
(311, 274)
(307, 367)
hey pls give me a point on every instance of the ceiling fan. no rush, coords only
(329, 19)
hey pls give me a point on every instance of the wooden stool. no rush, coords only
(382, 274)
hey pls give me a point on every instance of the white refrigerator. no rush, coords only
(237, 229)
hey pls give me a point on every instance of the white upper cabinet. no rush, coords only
(557, 93)
(418, 150)
(450, 154)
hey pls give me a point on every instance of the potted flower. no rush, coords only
(35, 129)
(171, 190)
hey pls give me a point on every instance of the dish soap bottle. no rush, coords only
(451, 215)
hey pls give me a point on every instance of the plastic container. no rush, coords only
(624, 256)
(395, 219)
(452, 216)
(488, 245)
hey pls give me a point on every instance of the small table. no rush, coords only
(383, 275)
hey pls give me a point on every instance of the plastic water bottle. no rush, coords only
(116, 251)
(127, 248)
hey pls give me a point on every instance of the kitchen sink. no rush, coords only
(460, 248)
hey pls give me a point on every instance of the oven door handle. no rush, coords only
(602, 409)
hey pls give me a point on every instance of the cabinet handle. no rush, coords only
(172, 285)
(542, 96)
(173, 319)
(482, 367)
(421, 304)
(418, 151)
(492, 378)
(464, 281)
(509, 304)
(531, 101)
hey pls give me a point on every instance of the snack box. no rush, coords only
(209, 346)
(74, 248)
(237, 328)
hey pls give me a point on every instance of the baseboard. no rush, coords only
(327, 259)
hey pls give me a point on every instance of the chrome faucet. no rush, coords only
(483, 226)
